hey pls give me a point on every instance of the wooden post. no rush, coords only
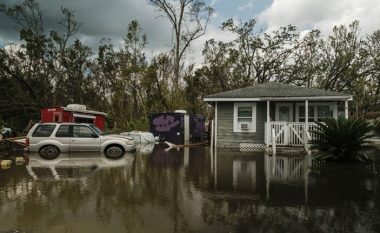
(267, 163)
(268, 124)
(306, 177)
(274, 143)
(212, 159)
(306, 122)
(215, 168)
(186, 157)
(346, 109)
(216, 125)
(212, 134)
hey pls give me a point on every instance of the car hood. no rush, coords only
(118, 136)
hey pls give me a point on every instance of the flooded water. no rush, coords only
(188, 190)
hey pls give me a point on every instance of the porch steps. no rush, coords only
(287, 150)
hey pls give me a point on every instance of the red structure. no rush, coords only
(73, 113)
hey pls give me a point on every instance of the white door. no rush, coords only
(284, 112)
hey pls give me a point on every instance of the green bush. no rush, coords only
(376, 126)
(342, 140)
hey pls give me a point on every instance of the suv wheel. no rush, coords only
(114, 152)
(49, 152)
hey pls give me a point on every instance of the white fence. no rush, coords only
(289, 133)
(289, 168)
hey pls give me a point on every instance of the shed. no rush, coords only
(73, 113)
(178, 127)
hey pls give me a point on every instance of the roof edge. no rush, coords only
(343, 97)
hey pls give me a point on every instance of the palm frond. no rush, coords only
(342, 139)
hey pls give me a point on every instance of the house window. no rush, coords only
(245, 117)
(317, 111)
(244, 114)
(325, 112)
(302, 114)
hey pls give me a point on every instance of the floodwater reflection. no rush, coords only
(188, 190)
(72, 165)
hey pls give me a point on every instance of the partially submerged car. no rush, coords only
(50, 139)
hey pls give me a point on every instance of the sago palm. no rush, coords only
(342, 140)
(376, 126)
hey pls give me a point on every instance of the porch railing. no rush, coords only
(288, 133)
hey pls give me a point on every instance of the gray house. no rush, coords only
(256, 115)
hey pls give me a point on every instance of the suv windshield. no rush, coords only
(97, 130)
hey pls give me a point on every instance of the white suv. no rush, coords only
(50, 139)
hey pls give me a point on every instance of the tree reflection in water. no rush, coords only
(188, 190)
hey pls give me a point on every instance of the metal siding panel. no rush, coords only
(169, 126)
(225, 134)
(47, 114)
(99, 121)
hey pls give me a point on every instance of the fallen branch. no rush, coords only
(172, 145)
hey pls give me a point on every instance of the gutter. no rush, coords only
(325, 98)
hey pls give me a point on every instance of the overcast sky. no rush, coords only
(110, 18)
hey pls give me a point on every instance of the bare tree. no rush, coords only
(189, 19)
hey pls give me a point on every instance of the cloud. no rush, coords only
(245, 7)
(99, 19)
(213, 32)
(13, 48)
(109, 19)
(213, 2)
(322, 14)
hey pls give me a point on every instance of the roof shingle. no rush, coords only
(273, 90)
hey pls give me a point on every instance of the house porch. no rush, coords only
(294, 121)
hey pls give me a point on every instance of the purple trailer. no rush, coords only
(178, 127)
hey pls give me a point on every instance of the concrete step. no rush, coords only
(288, 150)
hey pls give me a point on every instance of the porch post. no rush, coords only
(306, 121)
(268, 123)
(216, 125)
(306, 112)
(346, 109)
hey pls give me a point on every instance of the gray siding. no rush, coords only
(225, 135)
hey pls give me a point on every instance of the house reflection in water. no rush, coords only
(259, 174)
(282, 171)
(244, 174)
